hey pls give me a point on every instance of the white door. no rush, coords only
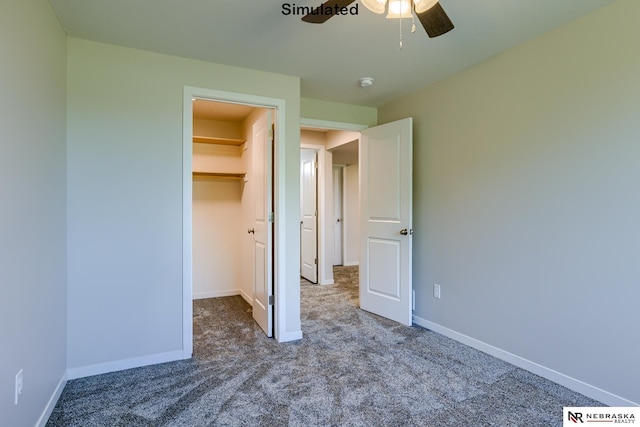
(385, 214)
(263, 225)
(308, 216)
(338, 217)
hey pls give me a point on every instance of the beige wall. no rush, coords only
(217, 158)
(33, 307)
(217, 237)
(336, 112)
(526, 201)
(218, 128)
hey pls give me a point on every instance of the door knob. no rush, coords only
(404, 231)
(251, 231)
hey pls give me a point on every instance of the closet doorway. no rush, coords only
(233, 204)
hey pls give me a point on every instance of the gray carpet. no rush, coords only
(352, 368)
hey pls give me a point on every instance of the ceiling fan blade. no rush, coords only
(435, 21)
(320, 17)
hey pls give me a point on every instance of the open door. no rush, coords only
(385, 220)
(263, 225)
(309, 215)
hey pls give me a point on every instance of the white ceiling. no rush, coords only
(331, 57)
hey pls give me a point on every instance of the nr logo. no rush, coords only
(575, 417)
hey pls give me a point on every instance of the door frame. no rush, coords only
(279, 237)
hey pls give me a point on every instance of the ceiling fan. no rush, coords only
(430, 13)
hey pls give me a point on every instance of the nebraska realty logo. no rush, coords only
(602, 416)
(292, 9)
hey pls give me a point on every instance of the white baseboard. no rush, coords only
(327, 282)
(351, 263)
(216, 294)
(246, 297)
(571, 383)
(290, 336)
(121, 365)
(44, 417)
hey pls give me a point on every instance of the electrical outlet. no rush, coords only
(436, 290)
(19, 386)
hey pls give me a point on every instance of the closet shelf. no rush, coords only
(219, 141)
(224, 175)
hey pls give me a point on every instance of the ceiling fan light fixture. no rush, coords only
(430, 13)
(375, 6)
(399, 9)
(424, 5)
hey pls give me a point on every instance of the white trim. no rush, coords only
(280, 256)
(327, 282)
(121, 365)
(246, 297)
(187, 221)
(229, 293)
(326, 124)
(280, 221)
(44, 417)
(571, 383)
(351, 263)
(216, 294)
(290, 336)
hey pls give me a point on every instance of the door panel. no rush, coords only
(309, 217)
(262, 226)
(385, 214)
(382, 255)
(384, 180)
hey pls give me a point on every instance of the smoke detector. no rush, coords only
(366, 81)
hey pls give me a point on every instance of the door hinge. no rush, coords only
(271, 300)
(315, 261)
(271, 217)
